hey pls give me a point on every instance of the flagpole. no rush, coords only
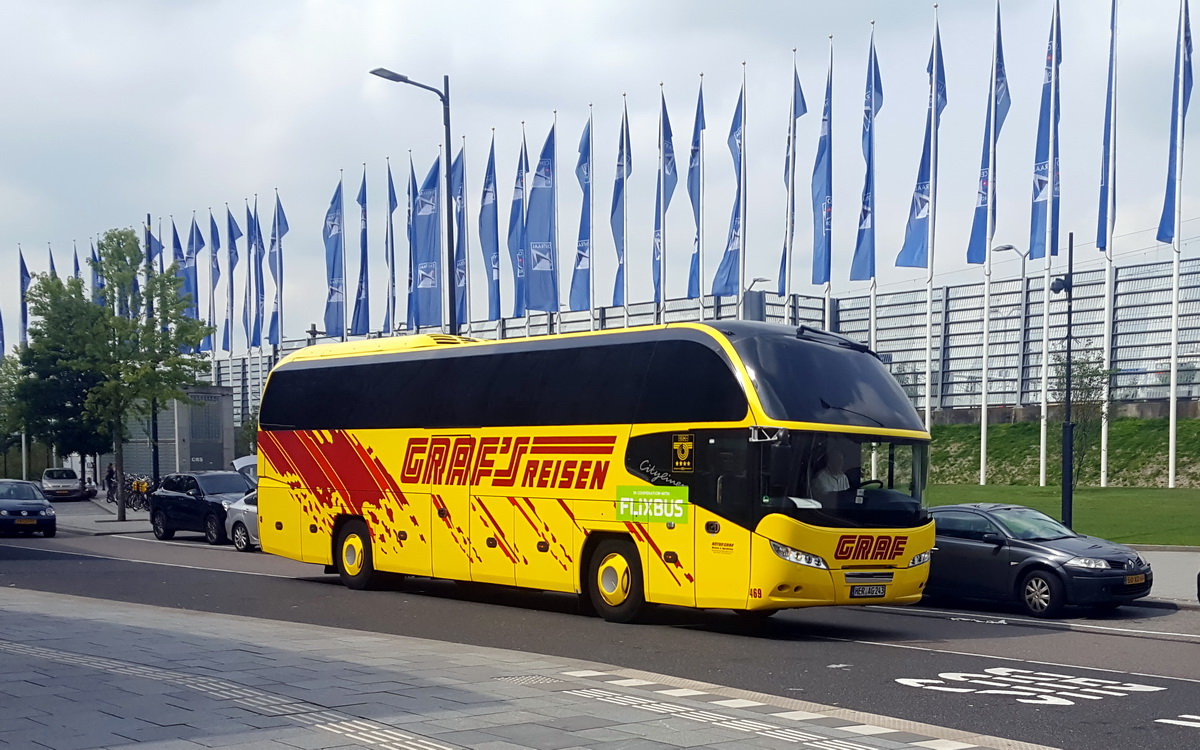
(625, 209)
(550, 315)
(1110, 226)
(700, 224)
(279, 269)
(660, 304)
(987, 263)
(872, 332)
(933, 123)
(741, 300)
(212, 304)
(1052, 177)
(466, 237)
(1177, 247)
(790, 208)
(591, 230)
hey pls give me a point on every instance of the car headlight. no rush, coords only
(919, 559)
(49, 511)
(3, 512)
(798, 557)
(225, 504)
(1091, 563)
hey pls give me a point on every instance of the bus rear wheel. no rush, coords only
(615, 581)
(355, 563)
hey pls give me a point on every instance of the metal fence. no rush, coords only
(1140, 302)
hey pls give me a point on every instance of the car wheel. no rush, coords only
(48, 533)
(1042, 594)
(214, 532)
(615, 581)
(241, 538)
(355, 563)
(161, 530)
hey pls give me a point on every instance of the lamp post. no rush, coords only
(754, 303)
(444, 95)
(1063, 284)
(1024, 314)
(757, 280)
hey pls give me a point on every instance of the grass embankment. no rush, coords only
(1136, 507)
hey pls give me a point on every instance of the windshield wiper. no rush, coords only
(826, 405)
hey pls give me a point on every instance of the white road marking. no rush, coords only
(1054, 625)
(942, 745)
(1178, 722)
(736, 703)
(1039, 688)
(631, 682)
(866, 729)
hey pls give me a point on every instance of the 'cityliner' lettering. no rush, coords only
(546, 462)
(869, 547)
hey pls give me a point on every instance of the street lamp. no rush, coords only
(1024, 307)
(754, 303)
(1024, 255)
(1063, 285)
(444, 95)
(757, 280)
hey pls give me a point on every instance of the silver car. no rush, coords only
(62, 484)
(241, 517)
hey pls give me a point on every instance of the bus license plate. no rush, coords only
(1134, 580)
(859, 592)
(24, 521)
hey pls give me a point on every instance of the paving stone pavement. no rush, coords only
(79, 673)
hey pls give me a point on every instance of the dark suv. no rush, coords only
(196, 501)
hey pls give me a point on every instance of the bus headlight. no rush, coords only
(920, 559)
(798, 557)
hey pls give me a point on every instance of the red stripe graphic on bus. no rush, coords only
(542, 529)
(501, 540)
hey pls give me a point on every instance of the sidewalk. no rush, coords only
(82, 673)
(1175, 568)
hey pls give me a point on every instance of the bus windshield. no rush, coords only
(846, 480)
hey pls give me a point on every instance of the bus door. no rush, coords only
(723, 496)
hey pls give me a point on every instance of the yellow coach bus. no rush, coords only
(737, 465)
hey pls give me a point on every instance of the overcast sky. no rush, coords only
(120, 108)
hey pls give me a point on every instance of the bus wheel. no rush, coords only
(615, 581)
(354, 560)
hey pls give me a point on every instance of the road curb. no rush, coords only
(1164, 604)
(1163, 548)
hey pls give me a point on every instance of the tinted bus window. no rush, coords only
(689, 382)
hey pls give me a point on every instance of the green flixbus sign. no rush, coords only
(652, 504)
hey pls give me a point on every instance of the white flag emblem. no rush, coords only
(427, 274)
(543, 260)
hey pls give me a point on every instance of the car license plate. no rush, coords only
(61, 492)
(1134, 580)
(859, 592)
(26, 520)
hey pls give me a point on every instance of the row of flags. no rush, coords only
(532, 238)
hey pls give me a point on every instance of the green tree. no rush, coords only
(10, 420)
(134, 343)
(246, 439)
(1088, 378)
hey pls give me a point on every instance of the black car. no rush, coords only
(196, 501)
(24, 509)
(1013, 553)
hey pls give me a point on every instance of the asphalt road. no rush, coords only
(1087, 682)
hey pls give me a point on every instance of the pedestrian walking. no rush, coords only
(110, 482)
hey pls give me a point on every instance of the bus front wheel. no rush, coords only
(355, 563)
(615, 581)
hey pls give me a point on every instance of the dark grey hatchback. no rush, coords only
(196, 501)
(1013, 553)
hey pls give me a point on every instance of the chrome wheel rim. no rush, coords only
(1037, 594)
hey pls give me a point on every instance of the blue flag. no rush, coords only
(76, 274)
(389, 251)
(617, 215)
(693, 188)
(360, 324)
(410, 322)
(516, 233)
(581, 276)
(246, 315)
(727, 281)
(985, 204)
(489, 234)
(668, 177)
(915, 252)
(1183, 83)
(335, 265)
(822, 189)
(98, 277)
(53, 270)
(155, 250)
(25, 279)
(542, 232)
(427, 237)
(1108, 188)
(260, 288)
(177, 260)
(1045, 178)
(862, 266)
(233, 232)
(214, 276)
(2, 351)
(279, 227)
(191, 272)
(799, 108)
(458, 195)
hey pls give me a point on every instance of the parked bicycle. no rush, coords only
(137, 491)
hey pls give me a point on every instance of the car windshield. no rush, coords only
(847, 480)
(223, 483)
(1031, 525)
(14, 491)
(59, 474)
